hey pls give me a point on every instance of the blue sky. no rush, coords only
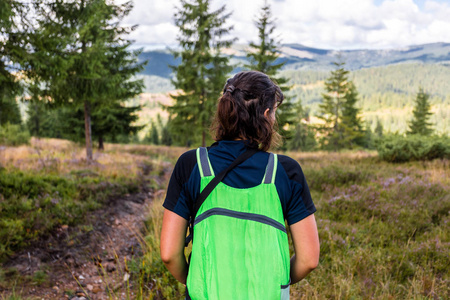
(331, 24)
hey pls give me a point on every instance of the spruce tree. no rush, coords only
(352, 127)
(264, 57)
(303, 136)
(37, 118)
(11, 50)
(379, 128)
(153, 135)
(420, 122)
(166, 137)
(202, 72)
(9, 111)
(342, 127)
(80, 56)
(110, 122)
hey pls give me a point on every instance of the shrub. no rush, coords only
(395, 148)
(31, 204)
(13, 135)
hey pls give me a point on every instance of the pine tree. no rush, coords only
(166, 137)
(110, 122)
(342, 127)
(202, 71)
(352, 127)
(80, 56)
(42, 121)
(9, 111)
(153, 135)
(421, 114)
(378, 128)
(264, 57)
(11, 50)
(303, 136)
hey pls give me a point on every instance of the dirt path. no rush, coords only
(86, 261)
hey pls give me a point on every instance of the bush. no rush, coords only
(31, 204)
(13, 135)
(395, 148)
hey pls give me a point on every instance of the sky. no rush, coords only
(327, 24)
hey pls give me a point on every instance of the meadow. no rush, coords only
(384, 228)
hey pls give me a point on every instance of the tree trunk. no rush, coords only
(37, 121)
(100, 143)
(87, 130)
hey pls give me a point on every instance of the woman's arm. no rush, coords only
(173, 236)
(306, 246)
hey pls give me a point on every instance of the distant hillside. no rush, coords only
(297, 56)
(387, 80)
(386, 92)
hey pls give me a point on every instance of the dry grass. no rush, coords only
(54, 156)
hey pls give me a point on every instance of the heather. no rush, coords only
(49, 184)
(383, 228)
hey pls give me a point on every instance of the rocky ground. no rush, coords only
(88, 261)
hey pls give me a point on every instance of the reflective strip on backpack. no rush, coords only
(271, 169)
(204, 165)
(240, 215)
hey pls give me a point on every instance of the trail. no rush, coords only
(87, 261)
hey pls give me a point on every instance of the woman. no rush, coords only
(240, 246)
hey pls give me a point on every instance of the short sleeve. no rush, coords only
(293, 190)
(180, 176)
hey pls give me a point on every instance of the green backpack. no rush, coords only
(241, 246)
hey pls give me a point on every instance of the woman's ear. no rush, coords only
(270, 116)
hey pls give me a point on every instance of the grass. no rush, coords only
(383, 230)
(49, 183)
(383, 227)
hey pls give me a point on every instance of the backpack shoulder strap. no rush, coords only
(271, 169)
(213, 183)
(204, 165)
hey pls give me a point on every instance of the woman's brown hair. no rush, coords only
(240, 111)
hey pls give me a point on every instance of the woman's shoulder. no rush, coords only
(185, 164)
(188, 156)
(291, 167)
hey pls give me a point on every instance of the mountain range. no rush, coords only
(387, 80)
(297, 56)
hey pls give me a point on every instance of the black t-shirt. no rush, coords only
(293, 191)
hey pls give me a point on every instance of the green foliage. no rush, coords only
(11, 49)
(13, 135)
(421, 113)
(44, 120)
(342, 126)
(202, 71)
(302, 139)
(378, 128)
(9, 111)
(79, 56)
(385, 92)
(31, 204)
(396, 148)
(153, 136)
(39, 277)
(110, 122)
(264, 57)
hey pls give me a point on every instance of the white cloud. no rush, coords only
(339, 24)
